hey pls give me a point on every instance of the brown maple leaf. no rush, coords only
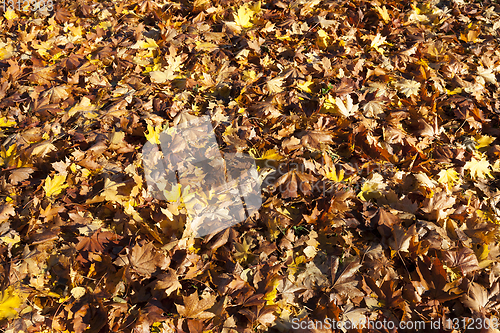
(294, 181)
(433, 279)
(6, 210)
(439, 206)
(315, 140)
(479, 299)
(62, 14)
(167, 282)
(387, 293)
(343, 277)
(141, 259)
(384, 220)
(402, 238)
(195, 308)
(97, 242)
(377, 262)
(42, 75)
(465, 259)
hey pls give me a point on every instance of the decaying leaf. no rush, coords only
(194, 307)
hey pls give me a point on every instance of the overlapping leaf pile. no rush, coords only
(375, 127)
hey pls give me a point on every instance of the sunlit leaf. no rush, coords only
(9, 303)
(54, 186)
(408, 87)
(478, 168)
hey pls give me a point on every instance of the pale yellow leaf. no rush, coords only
(274, 85)
(408, 87)
(78, 292)
(43, 148)
(448, 177)
(346, 108)
(310, 251)
(148, 44)
(161, 77)
(487, 74)
(371, 189)
(377, 42)
(384, 14)
(85, 105)
(478, 168)
(205, 46)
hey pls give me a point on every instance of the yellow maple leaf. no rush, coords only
(148, 44)
(54, 186)
(153, 134)
(249, 75)
(322, 38)
(371, 189)
(9, 156)
(76, 31)
(448, 177)
(270, 296)
(243, 250)
(384, 14)
(105, 25)
(329, 104)
(496, 166)
(331, 173)
(6, 51)
(271, 154)
(175, 194)
(478, 168)
(11, 240)
(305, 86)
(10, 14)
(9, 302)
(244, 16)
(454, 91)
(377, 42)
(484, 141)
(5, 122)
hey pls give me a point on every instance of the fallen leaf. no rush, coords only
(54, 186)
(195, 308)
